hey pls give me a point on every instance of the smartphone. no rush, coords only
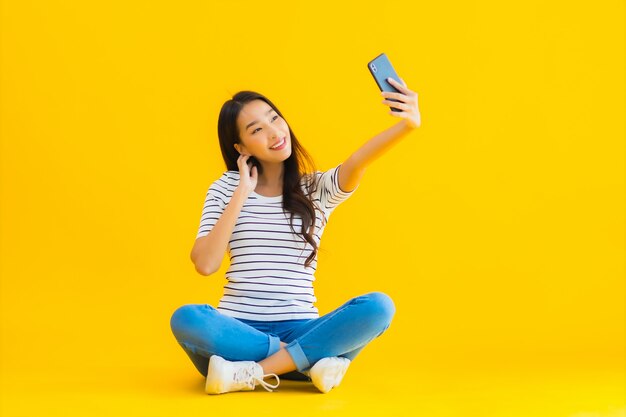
(381, 68)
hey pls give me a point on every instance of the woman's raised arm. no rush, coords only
(353, 168)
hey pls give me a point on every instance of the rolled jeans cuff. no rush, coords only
(274, 345)
(298, 356)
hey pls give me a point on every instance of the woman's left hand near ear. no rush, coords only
(408, 106)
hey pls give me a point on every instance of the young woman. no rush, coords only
(268, 210)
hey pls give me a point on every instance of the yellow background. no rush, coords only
(497, 227)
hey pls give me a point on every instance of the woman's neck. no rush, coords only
(272, 177)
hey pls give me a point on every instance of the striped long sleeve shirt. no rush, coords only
(267, 279)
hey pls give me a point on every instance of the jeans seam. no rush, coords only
(195, 349)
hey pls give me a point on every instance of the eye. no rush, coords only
(258, 128)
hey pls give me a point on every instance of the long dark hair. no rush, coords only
(298, 164)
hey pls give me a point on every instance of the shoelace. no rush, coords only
(246, 376)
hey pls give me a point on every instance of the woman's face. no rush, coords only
(260, 127)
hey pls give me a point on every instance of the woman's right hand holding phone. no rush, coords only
(247, 177)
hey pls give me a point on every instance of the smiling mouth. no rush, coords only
(282, 141)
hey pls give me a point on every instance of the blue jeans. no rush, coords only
(202, 331)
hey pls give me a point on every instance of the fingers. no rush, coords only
(400, 114)
(243, 158)
(410, 98)
(243, 161)
(397, 96)
(397, 105)
(402, 87)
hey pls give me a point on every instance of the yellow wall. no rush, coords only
(497, 227)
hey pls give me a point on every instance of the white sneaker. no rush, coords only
(328, 372)
(226, 376)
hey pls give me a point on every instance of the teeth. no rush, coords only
(278, 144)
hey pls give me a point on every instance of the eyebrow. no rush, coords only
(256, 121)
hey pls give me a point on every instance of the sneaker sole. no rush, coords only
(213, 385)
(337, 377)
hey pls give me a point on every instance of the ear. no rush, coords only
(237, 148)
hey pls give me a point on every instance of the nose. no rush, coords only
(275, 132)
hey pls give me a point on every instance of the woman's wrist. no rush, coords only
(241, 193)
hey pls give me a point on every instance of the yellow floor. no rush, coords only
(366, 390)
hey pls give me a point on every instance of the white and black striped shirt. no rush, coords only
(267, 279)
